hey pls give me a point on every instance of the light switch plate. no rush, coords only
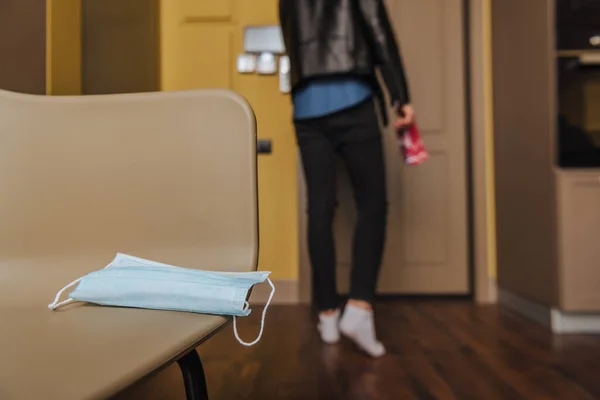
(267, 64)
(285, 85)
(263, 39)
(246, 63)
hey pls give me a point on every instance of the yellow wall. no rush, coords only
(200, 41)
(63, 47)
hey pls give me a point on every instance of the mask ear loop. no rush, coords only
(262, 322)
(56, 304)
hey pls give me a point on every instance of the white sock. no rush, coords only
(329, 327)
(358, 325)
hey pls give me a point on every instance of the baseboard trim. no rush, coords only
(558, 321)
(569, 323)
(487, 294)
(286, 293)
(493, 291)
(527, 308)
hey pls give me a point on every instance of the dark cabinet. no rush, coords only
(578, 12)
(578, 24)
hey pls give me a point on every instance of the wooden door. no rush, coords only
(427, 240)
(428, 244)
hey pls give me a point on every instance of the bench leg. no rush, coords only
(193, 376)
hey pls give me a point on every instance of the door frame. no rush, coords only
(480, 172)
(63, 47)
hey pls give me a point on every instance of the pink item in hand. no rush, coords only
(411, 145)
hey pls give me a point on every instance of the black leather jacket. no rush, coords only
(343, 37)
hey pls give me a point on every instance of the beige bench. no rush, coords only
(169, 177)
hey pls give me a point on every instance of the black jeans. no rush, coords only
(354, 135)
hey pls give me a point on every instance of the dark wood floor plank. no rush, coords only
(450, 350)
(416, 361)
(462, 367)
(534, 339)
(510, 363)
(571, 362)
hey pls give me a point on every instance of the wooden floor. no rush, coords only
(437, 350)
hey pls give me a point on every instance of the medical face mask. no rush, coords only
(138, 283)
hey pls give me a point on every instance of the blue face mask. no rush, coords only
(138, 283)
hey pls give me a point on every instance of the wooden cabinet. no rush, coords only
(547, 218)
(579, 216)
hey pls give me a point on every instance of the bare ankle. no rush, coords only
(327, 313)
(361, 304)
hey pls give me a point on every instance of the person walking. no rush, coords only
(336, 48)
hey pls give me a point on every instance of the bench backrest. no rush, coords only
(168, 176)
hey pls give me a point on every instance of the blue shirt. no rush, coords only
(322, 97)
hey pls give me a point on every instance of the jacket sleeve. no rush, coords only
(385, 49)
